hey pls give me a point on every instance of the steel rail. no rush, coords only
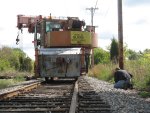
(74, 99)
(18, 91)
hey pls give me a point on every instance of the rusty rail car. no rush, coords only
(63, 46)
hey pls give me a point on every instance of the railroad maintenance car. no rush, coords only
(63, 46)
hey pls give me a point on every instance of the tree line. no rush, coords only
(14, 59)
(112, 54)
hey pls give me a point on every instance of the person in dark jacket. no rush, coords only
(122, 79)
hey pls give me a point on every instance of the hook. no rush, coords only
(17, 39)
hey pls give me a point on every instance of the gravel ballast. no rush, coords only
(121, 101)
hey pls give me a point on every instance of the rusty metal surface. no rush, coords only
(58, 38)
(65, 39)
(94, 40)
(60, 62)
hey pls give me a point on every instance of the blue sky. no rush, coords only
(136, 2)
(136, 20)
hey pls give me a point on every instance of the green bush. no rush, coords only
(101, 56)
(144, 94)
(4, 65)
(16, 59)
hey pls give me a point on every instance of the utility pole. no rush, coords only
(120, 34)
(92, 10)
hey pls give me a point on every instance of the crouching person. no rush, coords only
(122, 79)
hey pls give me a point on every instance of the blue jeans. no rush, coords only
(120, 84)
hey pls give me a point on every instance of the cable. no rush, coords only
(95, 7)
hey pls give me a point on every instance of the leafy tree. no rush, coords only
(147, 51)
(132, 55)
(114, 51)
(21, 56)
(5, 53)
(145, 56)
(14, 59)
(27, 64)
(4, 64)
(7, 58)
(101, 56)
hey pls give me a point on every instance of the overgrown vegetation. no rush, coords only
(137, 63)
(144, 94)
(101, 56)
(103, 72)
(9, 82)
(14, 66)
(14, 59)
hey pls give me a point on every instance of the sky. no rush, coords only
(136, 20)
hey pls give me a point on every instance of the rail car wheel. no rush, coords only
(76, 78)
(49, 79)
(46, 79)
(52, 78)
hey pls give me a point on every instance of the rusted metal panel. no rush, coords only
(58, 38)
(71, 39)
(94, 40)
(60, 62)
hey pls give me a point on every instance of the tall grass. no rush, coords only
(6, 83)
(141, 73)
(14, 78)
(139, 69)
(103, 71)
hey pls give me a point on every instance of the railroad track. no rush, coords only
(89, 101)
(54, 97)
(14, 91)
(60, 96)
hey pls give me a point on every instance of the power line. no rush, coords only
(95, 6)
